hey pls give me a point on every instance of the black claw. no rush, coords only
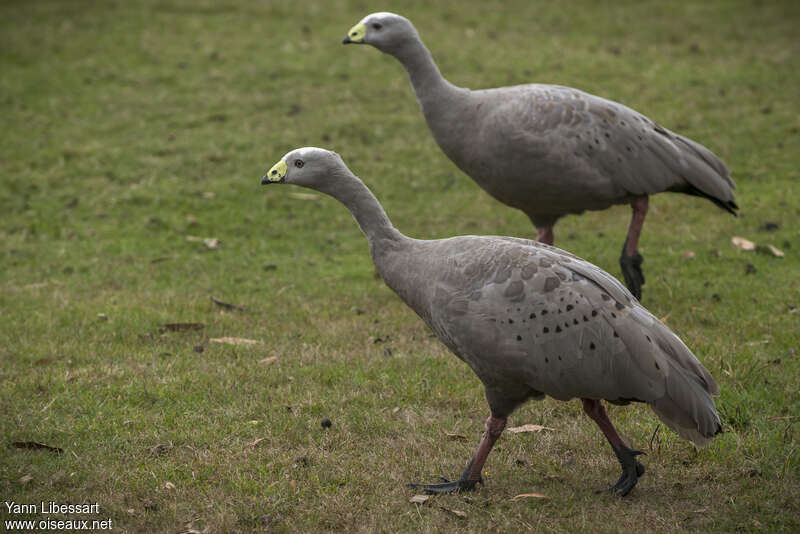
(450, 486)
(632, 271)
(632, 469)
(456, 486)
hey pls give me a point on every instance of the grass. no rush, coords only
(129, 126)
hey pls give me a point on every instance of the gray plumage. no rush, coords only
(549, 150)
(529, 319)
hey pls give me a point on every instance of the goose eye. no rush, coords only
(377, 26)
(298, 163)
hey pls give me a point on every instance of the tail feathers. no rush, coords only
(704, 173)
(687, 407)
(709, 158)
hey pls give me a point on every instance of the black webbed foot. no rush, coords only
(450, 486)
(632, 272)
(632, 469)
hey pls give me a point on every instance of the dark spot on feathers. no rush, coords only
(566, 325)
(546, 360)
(551, 283)
(569, 307)
(619, 306)
(657, 367)
(544, 312)
(574, 321)
(519, 338)
(545, 330)
(558, 329)
(502, 276)
(591, 346)
(514, 289)
(615, 334)
(648, 339)
(585, 319)
(511, 321)
(532, 316)
(594, 313)
(528, 271)
(614, 315)
(559, 358)
(605, 296)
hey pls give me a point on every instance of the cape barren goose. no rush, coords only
(531, 320)
(550, 150)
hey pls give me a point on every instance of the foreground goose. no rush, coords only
(531, 320)
(549, 150)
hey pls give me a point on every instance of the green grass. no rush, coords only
(128, 126)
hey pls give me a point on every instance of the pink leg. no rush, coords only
(631, 261)
(595, 409)
(472, 474)
(545, 235)
(631, 468)
(494, 427)
(639, 206)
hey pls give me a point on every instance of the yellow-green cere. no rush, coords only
(277, 172)
(357, 32)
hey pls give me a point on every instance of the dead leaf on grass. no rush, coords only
(169, 485)
(252, 444)
(528, 428)
(234, 340)
(209, 242)
(226, 305)
(688, 254)
(530, 496)
(268, 361)
(455, 437)
(25, 479)
(209, 194)
(742, 243)
(419, 499)
(457, 513)
(770, 250)
(35, 445)
(179, 327)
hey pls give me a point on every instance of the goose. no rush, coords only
(531, 321)
(549, 150)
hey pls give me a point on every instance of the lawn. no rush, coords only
(134, 138)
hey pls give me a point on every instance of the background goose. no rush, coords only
(550, 150)
(529, 319)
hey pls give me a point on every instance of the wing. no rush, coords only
(522, 313)
(589, 140)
